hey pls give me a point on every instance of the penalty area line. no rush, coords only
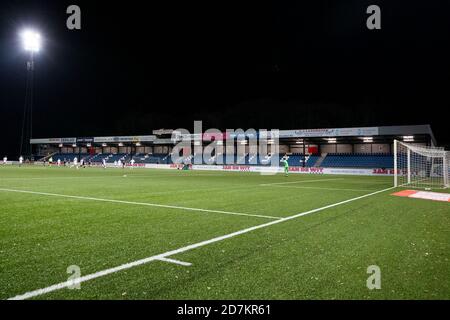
(320, 188)
(164, 255)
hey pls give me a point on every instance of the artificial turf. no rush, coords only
(322, 255)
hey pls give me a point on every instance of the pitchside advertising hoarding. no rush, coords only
(268, 169)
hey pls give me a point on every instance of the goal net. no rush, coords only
(420, 166)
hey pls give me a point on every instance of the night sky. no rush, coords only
(141, 65)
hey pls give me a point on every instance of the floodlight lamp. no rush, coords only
(31, 40)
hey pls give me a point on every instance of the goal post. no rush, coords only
(421, 167)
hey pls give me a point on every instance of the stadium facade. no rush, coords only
(332, 150)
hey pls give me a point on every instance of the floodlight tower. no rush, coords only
(31, 41)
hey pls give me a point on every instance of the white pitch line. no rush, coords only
(140, 203)
(182, 263)
(320, 188)
(299, 181)
(350, 181)
(129, 265)
(111, 176)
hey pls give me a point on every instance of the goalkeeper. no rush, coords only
(284, 160)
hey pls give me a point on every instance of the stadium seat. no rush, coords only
(341, 160)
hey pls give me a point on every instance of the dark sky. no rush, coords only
(142, 65)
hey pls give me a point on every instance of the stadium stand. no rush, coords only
(342, 160)
(365, 147)
(311, 161)
(331, 160)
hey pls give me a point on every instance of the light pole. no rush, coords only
(31, 41)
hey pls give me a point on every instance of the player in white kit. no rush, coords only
(75, 162)
(20, 161)
(5, 160)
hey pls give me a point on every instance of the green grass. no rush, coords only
(323, 255)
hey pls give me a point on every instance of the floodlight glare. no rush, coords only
(31, 40)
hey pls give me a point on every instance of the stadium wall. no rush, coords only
(262, 169)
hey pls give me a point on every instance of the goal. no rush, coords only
(420, 166)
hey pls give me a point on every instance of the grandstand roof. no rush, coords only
(421, 133)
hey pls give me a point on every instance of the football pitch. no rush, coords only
(168, 234)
